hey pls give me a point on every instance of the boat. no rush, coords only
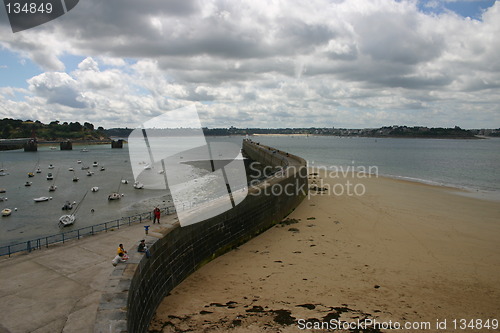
(67, 206)
(38, 170)
(3, 199)
(31, 174)
(138, 185)
(124, 181)
(95, 164)
(3, 173)
(51, 166)
(114, 196)
(85, 167)
(69, 219)
(42, 199)
(103, 168)
(6, 211)
(50, 176)
(147, 167)
(94, 189)
(79, 161)
(2, 190)
(53, 148)
(75, 179)
(71, 169)
(89, 173)
(52, 188)
(84, 150)
(28, 184)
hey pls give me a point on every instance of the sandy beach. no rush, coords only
(399, 252)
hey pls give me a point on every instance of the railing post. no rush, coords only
(28, 245)
(63, 237)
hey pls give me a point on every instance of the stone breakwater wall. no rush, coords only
(136, 289)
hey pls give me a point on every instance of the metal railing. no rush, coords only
(38, 243)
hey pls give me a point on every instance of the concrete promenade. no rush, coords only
(59, 289)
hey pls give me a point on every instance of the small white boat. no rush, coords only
(38, 170)
(52, 188)
(138, 185)
(103, 168)
(2, 190)
(79, 161)
(95, 164)
(50, 176)
(67, 220)
(3, 199)
(84, 150)
(28, 184)
(42, 199)
(51, 166)
(89, 173)
(71, 169)
(114, 196)
(124, 181)
(6, 211)
(75, 179)
(2, 173)
(147, 167)
(94, 189)
(53, 148)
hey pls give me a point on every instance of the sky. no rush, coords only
(269, 64)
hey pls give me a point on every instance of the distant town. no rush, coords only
(56, 130)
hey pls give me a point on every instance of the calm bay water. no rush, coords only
(472, 164)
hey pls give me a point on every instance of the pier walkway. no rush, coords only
(59, 289)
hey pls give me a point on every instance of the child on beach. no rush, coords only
(122, 250)
(119, 258)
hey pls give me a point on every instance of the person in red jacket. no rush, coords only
(156, 213)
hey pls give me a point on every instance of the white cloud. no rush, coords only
(294, 63)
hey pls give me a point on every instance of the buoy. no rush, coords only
(15, 209)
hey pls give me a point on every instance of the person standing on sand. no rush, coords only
(156, 213)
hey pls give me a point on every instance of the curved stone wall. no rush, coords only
(136, 289)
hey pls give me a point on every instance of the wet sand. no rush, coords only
(402, 252)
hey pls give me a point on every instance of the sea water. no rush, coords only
(470, 164)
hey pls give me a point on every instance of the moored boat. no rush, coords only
(50, 176)
(67, 220)
(94, 189)
(6, 211)
(42, 199)
(138, 185)
(28, 184)
(114, 196)
(68, 205)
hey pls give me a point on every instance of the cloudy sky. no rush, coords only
(311, 63)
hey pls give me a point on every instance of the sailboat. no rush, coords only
(116, 195)
(53, 187)
(75, 178)
(69, 219)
